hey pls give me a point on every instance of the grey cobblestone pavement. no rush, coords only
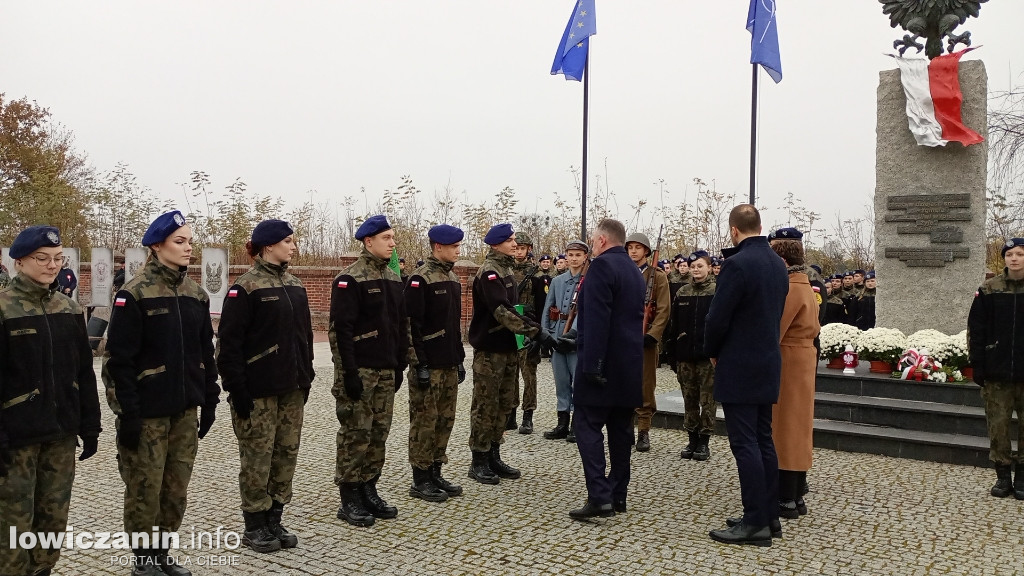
(868, 514)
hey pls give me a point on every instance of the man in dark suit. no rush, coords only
(742, 337)
(609, 369)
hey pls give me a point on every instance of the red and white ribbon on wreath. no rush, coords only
(913, 361)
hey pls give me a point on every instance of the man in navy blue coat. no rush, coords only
(742, 337)
(609, 368)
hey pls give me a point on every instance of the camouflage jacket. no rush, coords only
(495, 322)
(433, 299)
(995, 330)
(159, 359)
(265, 344)
(47, 385)
(686, 328)
(523, 273)
(369, 324)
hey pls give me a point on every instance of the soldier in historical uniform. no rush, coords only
(525, 274)
(638, 247)
(694, 372)
(433, 299)
(562, 296)
(866, 302)
(266, 362)
(369, 334)
(48, 394)
(161, 376)
(492, 333)
(995, 339)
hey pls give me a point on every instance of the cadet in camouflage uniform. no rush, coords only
(835, 308)
(525, 272)
(48, 396)
(995, 339)
(679, 276)
(492, 334)
(159, 369)
(433, 298)
(694, 371)
(5, 277)
(265, 359)
(369, 333)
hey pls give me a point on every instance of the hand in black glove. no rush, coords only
(398, 377)
(129, 433)
(206, 418)
(546, 341)
(650, 341)
(595, 379)
(243, 404)
(423, 376)
(565, 344)
(979, 377)
(353, 385)
(462, 373)
(89, 446)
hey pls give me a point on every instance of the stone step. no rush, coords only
(864, 383)
(904, 414)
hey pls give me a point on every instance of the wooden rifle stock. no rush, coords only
(571, 316)
(650, 306)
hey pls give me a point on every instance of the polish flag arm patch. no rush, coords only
(342, 283)
(492, 276)
(120, 302)
(233, 293)
(414, 283)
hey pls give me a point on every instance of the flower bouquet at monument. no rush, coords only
(834, 338)
(955, 353)
(882, 347)
(918, 364)
(937, 343)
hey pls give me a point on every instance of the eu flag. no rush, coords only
(572, 50)
(764, 40)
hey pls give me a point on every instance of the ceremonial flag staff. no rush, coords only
(764, 50)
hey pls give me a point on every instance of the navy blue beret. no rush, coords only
(67, 281)
(162, 227)
(697, 256)
(561, 256)
(33, 238)
(576, 245)
(374, 225)
(859, 271)
(1011, 243)
(816, 268)
(786, 234)
(445, 234)
(270, 232)
(546, 257)
(716, 261)
(401, 260)
(498, 234)
(870, 275)
(847, 273)
(419, 263)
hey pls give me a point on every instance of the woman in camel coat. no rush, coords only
(793, 415)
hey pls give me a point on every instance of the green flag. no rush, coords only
(393, 263)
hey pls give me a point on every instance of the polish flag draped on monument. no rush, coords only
(934, 100)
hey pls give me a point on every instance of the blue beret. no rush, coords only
(374, 225)
(816, 268)
(498, 234)
(1011, 243)
(270, 232)
(698, 255)
(162, 227)
(33, 238)
(445, 234)
(859, 271)
(67, 281)
(419, 263)
(401, 260)
(561, 256)
(870, 275)
(847, 273)
(546, 257)
(786, 234)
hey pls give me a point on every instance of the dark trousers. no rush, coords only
(588, 422)
(750, 438)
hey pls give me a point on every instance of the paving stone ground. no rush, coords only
(868, 514)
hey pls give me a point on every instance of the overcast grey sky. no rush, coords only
(333, 96)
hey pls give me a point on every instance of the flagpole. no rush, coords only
(586, 123)
(753, 132)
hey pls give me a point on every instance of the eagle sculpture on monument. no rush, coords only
(931, 19)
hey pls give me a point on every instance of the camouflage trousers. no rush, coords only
(34, 497)
(268, 447)
(646, 411)
(528, 363)
(364, 425)
(431, 417)
(157, 473)
(697, 381)
(494, 396)
(1001, 399)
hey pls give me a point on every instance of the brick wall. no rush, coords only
(318, 287)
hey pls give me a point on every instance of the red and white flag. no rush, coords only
(934, 100)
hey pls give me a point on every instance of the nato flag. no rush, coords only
(571, 56)
(764, 37)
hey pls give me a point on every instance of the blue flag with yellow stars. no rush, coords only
(571, 56)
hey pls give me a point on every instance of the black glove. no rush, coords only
(462, 373)
(565, 344)
(595, 379)
(243, 404)
(206, 418)
(545, 341)
(353, 385)
(129, 433)
(398, 378)
(89, 445)
(979, 377)
(650, 341)
(423, 376)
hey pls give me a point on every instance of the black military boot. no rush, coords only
(510, 423)
(423, 487)
(571, 436)
(440, 482)
(480, 469)
(375, 504)
(561, 430)
(1004, 483)
(145, 563)
(500, 468)
(527, 427)
(687, 451)
(703, 451)
(643, 441)
(257, 535)
(169, 564)
(288, 540)
(352, 510)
